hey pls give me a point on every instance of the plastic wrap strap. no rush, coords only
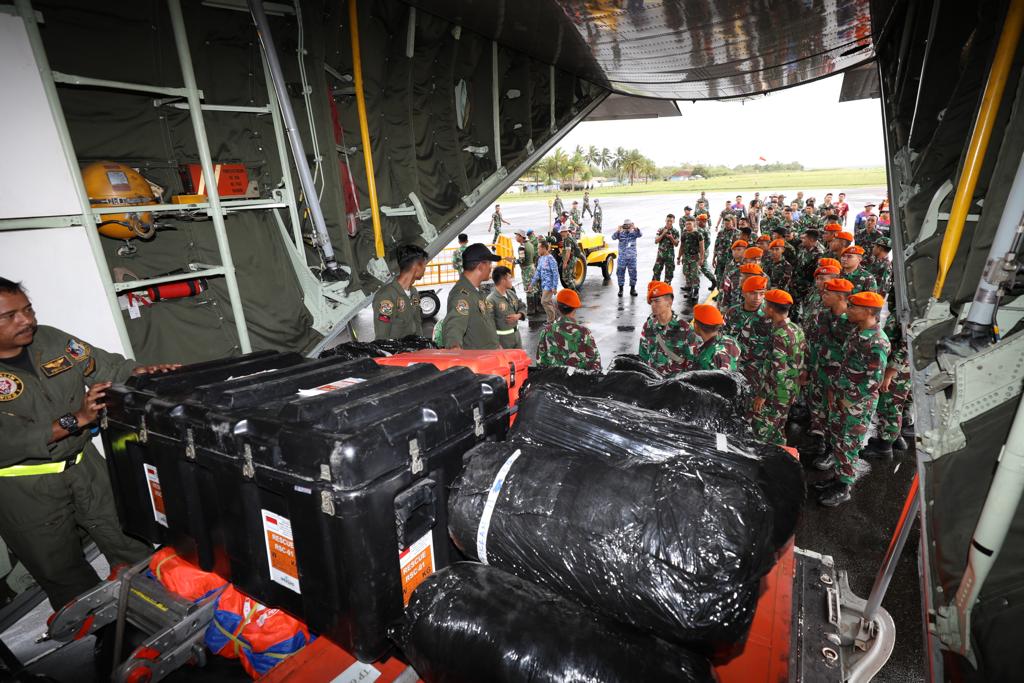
(235, 637)
(160, 566)
(668, 352)
(492, 500)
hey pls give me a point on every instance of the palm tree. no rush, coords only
(576, 166)
(604, 158)
(593, 155)
(632, 164)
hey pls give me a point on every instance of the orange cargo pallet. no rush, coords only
(323, 661)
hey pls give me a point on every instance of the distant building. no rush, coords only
(682, 174)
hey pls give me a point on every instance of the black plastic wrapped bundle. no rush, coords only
(553, 418)
(632, 362)
(379, 348)
(692, 404)
(470, 623)
(732, 386)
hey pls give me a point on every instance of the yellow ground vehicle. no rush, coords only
(596, 252)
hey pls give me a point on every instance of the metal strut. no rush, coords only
(292, 130)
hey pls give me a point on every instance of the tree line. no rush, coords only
(583, 165)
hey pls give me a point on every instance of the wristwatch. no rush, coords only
(69, 423)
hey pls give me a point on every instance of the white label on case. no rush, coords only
(156, 494)
(277, 534)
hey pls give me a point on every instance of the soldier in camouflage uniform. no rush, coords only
(667, 238)
(666, 341)
(780, 378)
(496, 221)
(723, 244)
(840, 241)
(779, 270)
(825, 333)
(893, 394)
(704, 228)
(506, 308)
(809, 219)
(806, 263)
(881, 267)
(855, 396)
(868, 232)
(598, 217)
(457, 254)
(727, 212)
(691, 256)
(747, 324)
(586, 205)
(565, 342)
(732, 291)
(570, 252)
(798, 200)
(396, 305)
(575, 219)
(557, 207)
(715, 350)
(771, 219)
(828, 269)
(862, 279)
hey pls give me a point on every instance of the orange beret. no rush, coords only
(751, 269)
(827, 270)
(740, 243)
(833, 227)
(764, 238)
(755, 282)
(569, 297)
(777, 243)
(848, 236)
(854, 250)
(753, 252)
(829, 262)
(708, 315)
(868, 299)
(779, 296)
(839, 285)
(656, 289)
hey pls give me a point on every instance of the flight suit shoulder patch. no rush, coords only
(483, 307)
(52, 368)
(401, 305)
(386, 307)
(11, 386)
(462, 307)
(78, 350)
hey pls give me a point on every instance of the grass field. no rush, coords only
(787, 180)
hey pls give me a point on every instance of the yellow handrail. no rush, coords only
(364, 129)
(993, 95)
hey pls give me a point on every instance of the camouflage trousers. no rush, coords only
(816, 395)
(566, 274)
(666, 262)
(691, 271)
(770, 424)
(708, 274)
(596, 225)
(890, 407)
(497, 234)
(849, 429)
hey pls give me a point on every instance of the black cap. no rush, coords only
(687, 208)
(477, 253)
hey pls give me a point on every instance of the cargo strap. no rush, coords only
(672, 356)
(512, 331)
(42, 468)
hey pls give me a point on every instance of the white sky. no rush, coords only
(806, 124)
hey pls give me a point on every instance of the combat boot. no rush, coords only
(835, 496)
(826, 483)
(620, 291)
(632, 291)
(824, 462)
(877, 448)
(814, 447)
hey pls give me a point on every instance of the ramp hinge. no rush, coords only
(190, 444)
(143, 432)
